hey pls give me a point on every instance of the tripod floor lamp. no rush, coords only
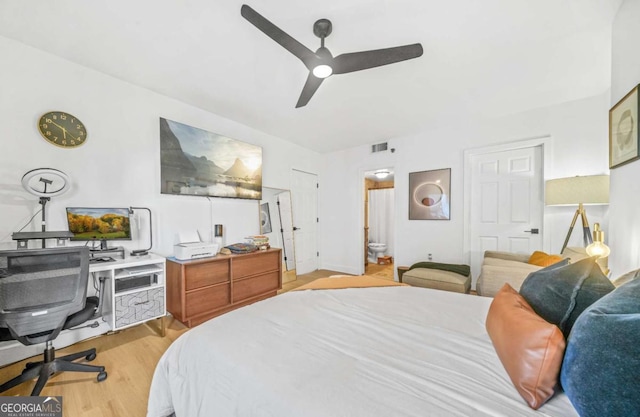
(586, 190)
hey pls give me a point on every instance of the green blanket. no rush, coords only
(463, 270)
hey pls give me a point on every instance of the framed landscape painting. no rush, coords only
(624, 137)
(196, 162)
(429, 195)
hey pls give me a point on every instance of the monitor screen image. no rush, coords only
(88, 223)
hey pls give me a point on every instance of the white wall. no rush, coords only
(624, 223)
(579, 132)
(119, 165)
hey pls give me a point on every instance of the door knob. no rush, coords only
(533, 231)
(295, 228)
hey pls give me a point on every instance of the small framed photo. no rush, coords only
(265, 219)
(624, 140)
(429, 195)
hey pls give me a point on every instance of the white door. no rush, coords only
(304, 195)
(506, 207)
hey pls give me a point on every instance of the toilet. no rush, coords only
(376, 250)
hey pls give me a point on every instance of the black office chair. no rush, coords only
(44, 291)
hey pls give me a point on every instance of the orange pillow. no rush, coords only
(543, 259)
(530, 348)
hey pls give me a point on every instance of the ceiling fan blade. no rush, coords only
(357, 61)
(309, 89)
(307, 56)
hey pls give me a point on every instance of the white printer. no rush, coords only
(195, 250)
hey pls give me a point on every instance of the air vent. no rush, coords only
(379, 147)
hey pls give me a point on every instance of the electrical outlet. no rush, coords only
(430, 257)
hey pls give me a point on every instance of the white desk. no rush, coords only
(120, 310)
(130, 307)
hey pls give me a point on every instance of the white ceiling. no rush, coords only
(481, 58)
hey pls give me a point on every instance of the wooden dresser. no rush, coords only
(200, 289)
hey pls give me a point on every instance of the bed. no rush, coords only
(382, 351)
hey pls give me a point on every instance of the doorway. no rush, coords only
(504, 207)
(379, 222)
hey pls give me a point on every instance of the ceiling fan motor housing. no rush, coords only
(322, 28)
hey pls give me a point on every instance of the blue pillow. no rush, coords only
(560, 294)
(601, 368)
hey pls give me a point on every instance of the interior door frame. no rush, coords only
(545, 142)
(361, 177)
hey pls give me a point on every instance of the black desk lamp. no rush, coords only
(142, 252)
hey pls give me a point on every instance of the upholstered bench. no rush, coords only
(435, 278)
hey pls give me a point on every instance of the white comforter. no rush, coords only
(393, 351)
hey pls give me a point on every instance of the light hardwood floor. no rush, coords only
(130, 357)
(380, 271)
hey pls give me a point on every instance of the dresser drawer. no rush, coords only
(198, 290)
(203, 274)
(255, 264)
(260, 284)
(207, 299)
(138, 307)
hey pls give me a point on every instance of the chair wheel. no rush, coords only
(102, 376)
(90, 357)
(30, 365)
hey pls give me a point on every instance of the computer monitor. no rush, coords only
(103, 224)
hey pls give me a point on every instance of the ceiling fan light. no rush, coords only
(322, 71)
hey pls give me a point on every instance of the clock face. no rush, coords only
(62, 129)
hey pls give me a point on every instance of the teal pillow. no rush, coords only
(601, 367)
(560, 294)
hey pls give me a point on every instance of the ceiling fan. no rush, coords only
(321, 63)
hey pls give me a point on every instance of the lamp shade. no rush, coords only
(591, 189)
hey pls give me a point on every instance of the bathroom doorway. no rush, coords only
(379, 222)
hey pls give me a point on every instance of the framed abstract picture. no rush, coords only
(429, 195)
(624, 139)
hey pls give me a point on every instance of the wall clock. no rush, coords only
(62, 129)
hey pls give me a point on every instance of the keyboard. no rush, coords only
(145, 269)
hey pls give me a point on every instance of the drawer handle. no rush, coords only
(144, 302)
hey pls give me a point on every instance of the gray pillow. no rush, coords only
(602, 361)
(560, 294)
